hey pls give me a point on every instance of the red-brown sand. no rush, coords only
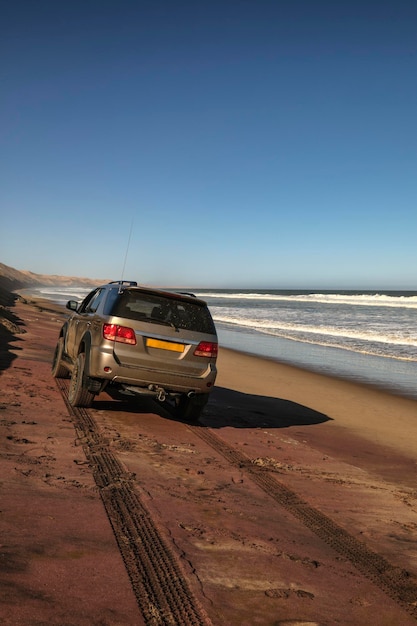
(346, 450)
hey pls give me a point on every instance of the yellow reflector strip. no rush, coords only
(164, 345)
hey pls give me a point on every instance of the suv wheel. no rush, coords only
(58, 369)
(78, 394)
(190, 409)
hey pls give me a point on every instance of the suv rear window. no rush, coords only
(156, 309)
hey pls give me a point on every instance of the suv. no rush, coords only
(140, 341)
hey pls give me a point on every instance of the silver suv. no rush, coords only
(139, 341)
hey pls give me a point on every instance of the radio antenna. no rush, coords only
(127, 250)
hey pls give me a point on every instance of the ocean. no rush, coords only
(365, 336)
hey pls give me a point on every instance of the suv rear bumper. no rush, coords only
(103, 365)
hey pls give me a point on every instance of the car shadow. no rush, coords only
(242, 410)
(226, 408)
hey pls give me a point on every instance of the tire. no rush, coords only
(58, 369)
(190, 409)
(78, 394)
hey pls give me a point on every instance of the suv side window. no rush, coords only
(113, 295)
(84, 304)
(91, 302)
(95, 301)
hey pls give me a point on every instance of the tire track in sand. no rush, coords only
(158, 581)
(397, 583)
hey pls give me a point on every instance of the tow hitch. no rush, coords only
(160, 394)
(153, 390)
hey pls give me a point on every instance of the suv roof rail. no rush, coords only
(187, 293)
(131, 283)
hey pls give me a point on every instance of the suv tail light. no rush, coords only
(206, 348)
(122, 334)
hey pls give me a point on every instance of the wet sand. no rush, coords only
(348, 450)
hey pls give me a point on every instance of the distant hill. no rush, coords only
(11, 279)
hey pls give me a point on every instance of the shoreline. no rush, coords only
(389, 375)
(323, 371)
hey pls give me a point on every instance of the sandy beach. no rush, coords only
(294, 500)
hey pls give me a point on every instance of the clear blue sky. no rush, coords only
(261, 143)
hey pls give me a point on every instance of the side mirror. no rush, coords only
(72, 305)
